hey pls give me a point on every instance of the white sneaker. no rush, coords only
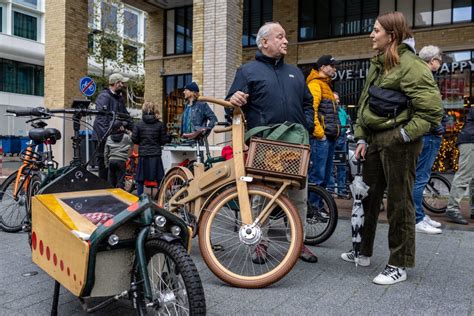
(424, 227)
(431, 222)
(350, 257)
(391, 275)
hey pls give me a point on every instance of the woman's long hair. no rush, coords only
(150, 107)
(394, 23)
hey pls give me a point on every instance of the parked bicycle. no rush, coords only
(235, 211)
(436, 193)
(103, 244)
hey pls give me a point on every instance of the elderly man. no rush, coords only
(270, 92)
(110, 99)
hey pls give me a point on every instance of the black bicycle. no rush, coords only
(436, 193)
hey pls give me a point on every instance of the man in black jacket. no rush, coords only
(110, 99)
(270, 92)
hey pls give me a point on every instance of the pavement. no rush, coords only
(442, 282)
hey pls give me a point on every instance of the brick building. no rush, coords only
(206, 41)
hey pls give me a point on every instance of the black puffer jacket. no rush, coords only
(107, 101)
(467, 133)
(277, 93)
(150, 135)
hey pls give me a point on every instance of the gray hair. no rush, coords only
(429, 52)
(263, 32)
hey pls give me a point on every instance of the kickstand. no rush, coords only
(54, 307)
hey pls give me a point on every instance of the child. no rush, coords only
(116, 151)
(150, 135)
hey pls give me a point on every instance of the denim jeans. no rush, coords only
(320, 169)
(431, 144)
(340, 169)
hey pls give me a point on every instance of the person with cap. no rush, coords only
(109, 99)
(272, 92)
(196, 115)
(116, 152)
(326, 122)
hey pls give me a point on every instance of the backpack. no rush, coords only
(287, 132)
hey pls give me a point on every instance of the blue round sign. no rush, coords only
(87, 86)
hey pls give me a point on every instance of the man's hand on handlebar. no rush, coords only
(239, 98)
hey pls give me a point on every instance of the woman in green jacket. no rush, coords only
(390, 146)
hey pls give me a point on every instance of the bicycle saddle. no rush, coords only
(40, 135)
(197, 134)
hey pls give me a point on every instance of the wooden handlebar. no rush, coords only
(222, 129)
(217, 101)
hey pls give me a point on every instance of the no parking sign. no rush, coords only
(87, 86)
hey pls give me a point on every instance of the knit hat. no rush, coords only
(192, 87)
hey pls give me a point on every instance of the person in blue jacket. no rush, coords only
(196, 115)
(271, 92)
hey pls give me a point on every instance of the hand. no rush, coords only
(361, 149)
(239, 98)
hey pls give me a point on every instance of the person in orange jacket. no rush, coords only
(326, 122)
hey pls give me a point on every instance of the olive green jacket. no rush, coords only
(412, 77)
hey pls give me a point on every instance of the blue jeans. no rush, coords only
(431, 144)
(340, 169)
(320, 169)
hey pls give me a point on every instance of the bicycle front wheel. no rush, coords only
(174, 279)
(12, 211)
(321, 219)
(436, 193)
(250, 256)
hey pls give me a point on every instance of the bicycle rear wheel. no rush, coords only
(321, 219)
(12, 211)
(248, 256)
(436, 193)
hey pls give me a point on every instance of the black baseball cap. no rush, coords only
(326, 60)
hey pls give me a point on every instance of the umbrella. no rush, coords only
(359, 191)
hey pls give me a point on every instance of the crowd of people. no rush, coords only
(397, 145)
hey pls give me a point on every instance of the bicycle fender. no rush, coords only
(188, 173)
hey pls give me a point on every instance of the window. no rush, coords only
(17, 77)
(109, 16)
(1, 19)
(462, 10)
(442, 12)
(108, 47)
(179, 23)
(90, 43)
(29, 3)
(174, 100)
(435, 12)
(256, 13)
(25, 26)
(130, 54)
(130, 24)
(322, 19)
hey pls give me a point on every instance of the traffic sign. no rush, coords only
(87, 86)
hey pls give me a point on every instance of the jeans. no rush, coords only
(462, 178)
(320, 169)
(431, 144)
(340, 169)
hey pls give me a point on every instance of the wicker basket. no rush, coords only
(276, 158)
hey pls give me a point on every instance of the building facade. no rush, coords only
(22, 51)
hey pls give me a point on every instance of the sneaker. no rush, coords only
(456, 217)
(391, 275)
(307, 255)
(260, 255)
(350, 257)
(431, 222)
(424, 227)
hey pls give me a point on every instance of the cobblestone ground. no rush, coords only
(441, 284)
